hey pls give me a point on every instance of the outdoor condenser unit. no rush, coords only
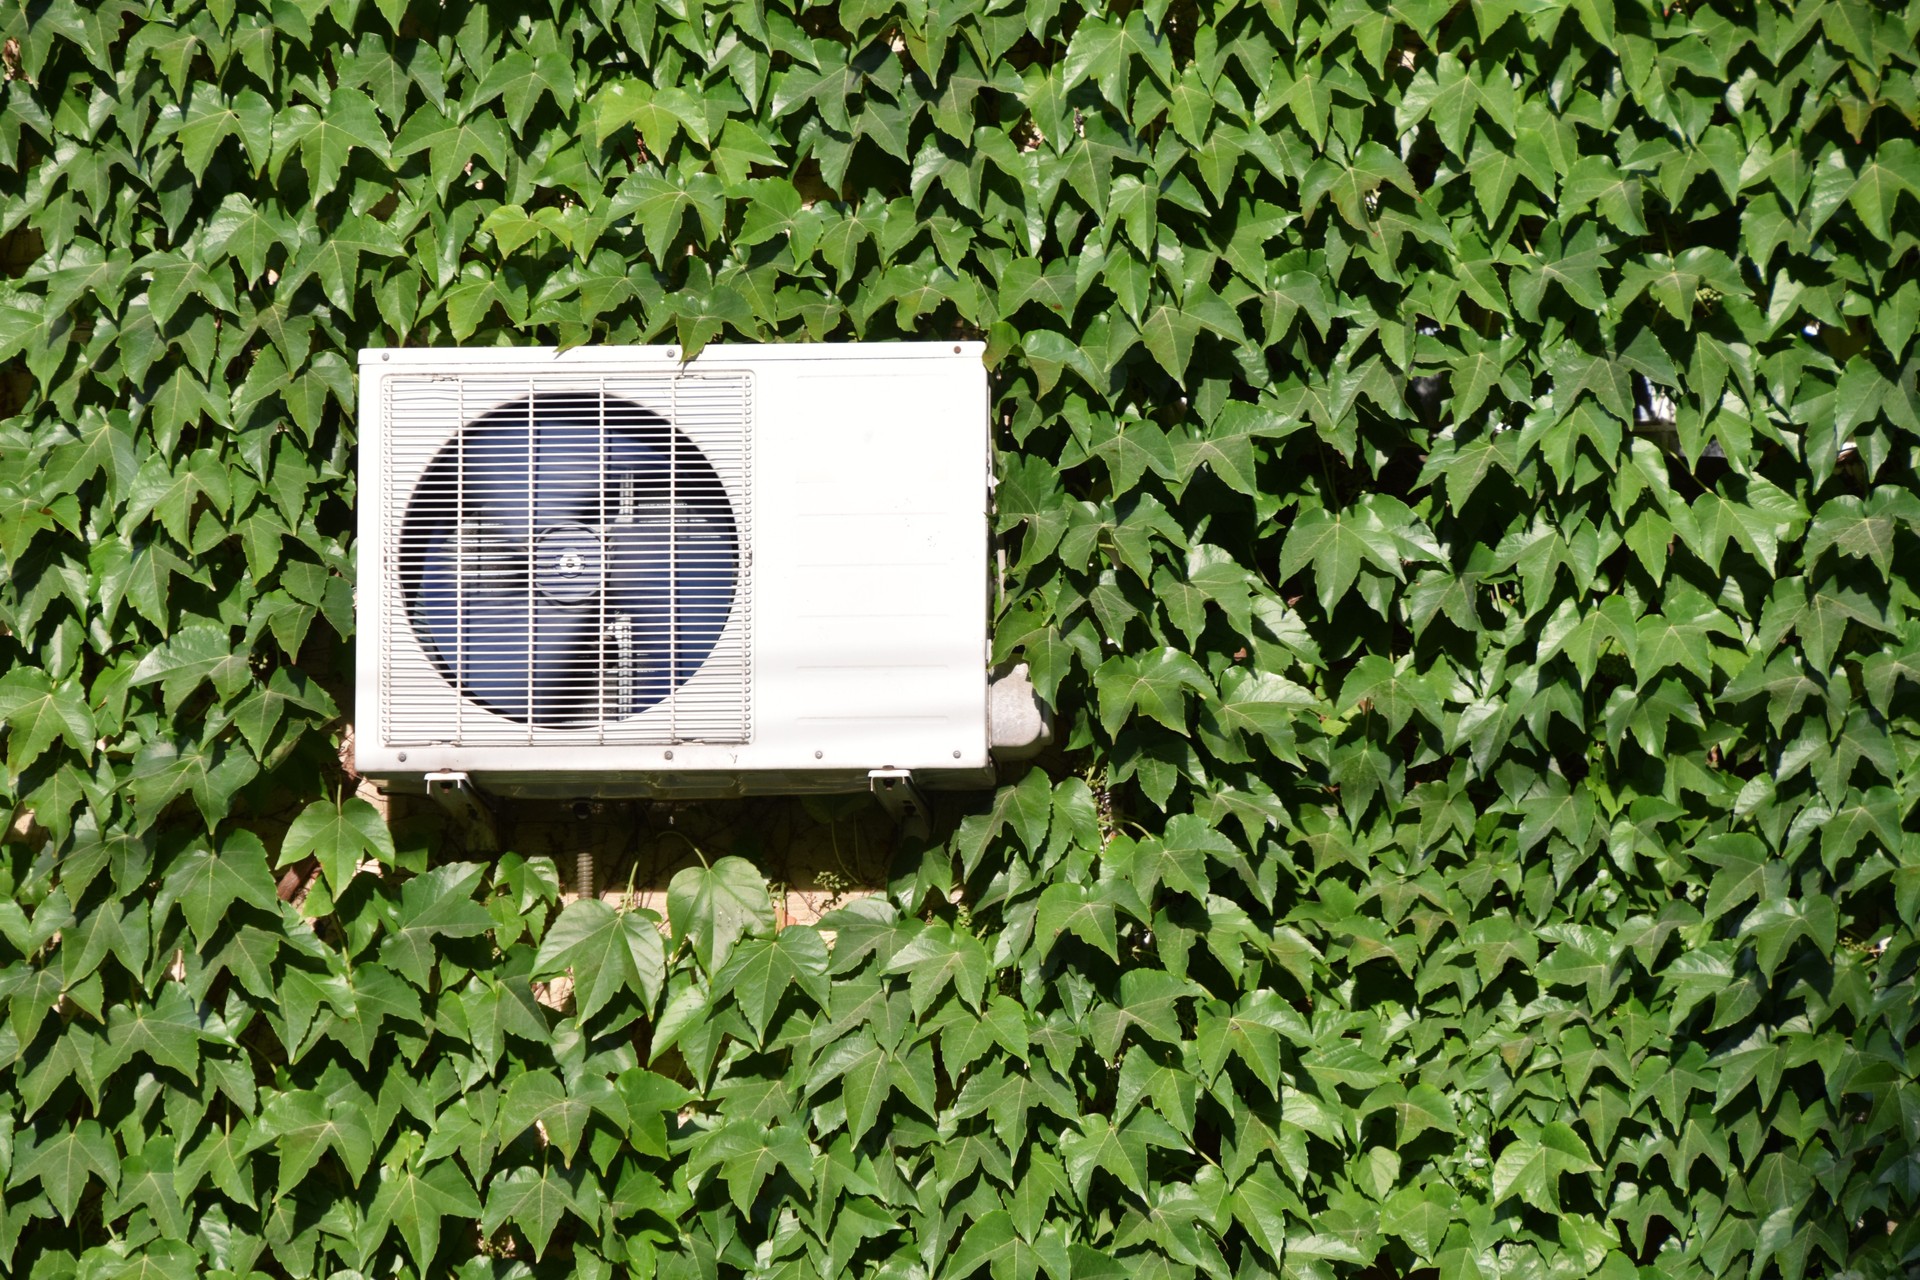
(606, 572)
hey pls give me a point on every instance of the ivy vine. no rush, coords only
(1458, 487)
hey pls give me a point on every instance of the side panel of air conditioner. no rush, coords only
(857, 639)
(872, 495)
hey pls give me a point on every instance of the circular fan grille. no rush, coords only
(569, 559)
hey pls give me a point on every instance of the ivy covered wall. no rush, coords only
(1457, 474)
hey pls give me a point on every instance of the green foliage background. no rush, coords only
(1458, 470)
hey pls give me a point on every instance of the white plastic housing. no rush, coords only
(858, 476)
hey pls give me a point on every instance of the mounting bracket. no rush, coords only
(901, 797)
(456, 793)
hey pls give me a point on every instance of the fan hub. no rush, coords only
(567, 563)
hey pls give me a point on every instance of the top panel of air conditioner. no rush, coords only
(605, 572)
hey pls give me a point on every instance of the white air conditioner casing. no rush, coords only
(809, 522)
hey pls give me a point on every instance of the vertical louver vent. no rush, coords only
(572, 560)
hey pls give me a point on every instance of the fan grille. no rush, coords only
(567, 560)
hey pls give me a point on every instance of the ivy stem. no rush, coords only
(698, 852)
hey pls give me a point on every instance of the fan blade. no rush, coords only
(541, 661)
(485, 478)
(535, 464)
(589, 459)
(450, 571)
(488, 654)
(571, 459)
(677, 585)
(567, 671)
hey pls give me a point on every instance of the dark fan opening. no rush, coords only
(569, 559)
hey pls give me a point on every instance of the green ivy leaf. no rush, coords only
(760, 970)
(1106, 52)
(713, 907)
(339, 835)
(534, 1200)
(1530, 1167)
(325, 138)
(166, 1032)
(205, 884)
(747, 1155)
(1155, 685)
(38, 713)
(66, 1162)
(415, 1203)
(1077, 909)
(1336, 544)
(606, 952)
(305, 1125)
(436, 905)
(939, 957)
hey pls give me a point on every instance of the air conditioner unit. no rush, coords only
(604, 572)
